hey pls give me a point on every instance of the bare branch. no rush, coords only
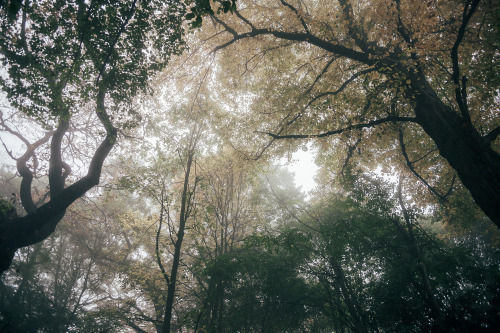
(157, 240)
(26, 175)
(451, 186)
(259, 154)
(13, 132)
(412, 169)
(260, 54)
(342, 87)
(325, 69)
(424, 156)
(301, 18)
(372, 123)
(9, 152)
(41, 223)
(56, 181)
(287, 122)
(244, 19)
(21, 164)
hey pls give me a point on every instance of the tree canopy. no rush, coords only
(423, 70)
(145, 185)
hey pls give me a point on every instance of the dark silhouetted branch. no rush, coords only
(412, 169)
(301, 18)
(336, 49)
(460, 90)
(339, 131)
(158, 233)
(491, 136)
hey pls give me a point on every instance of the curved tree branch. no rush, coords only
(372, 123)
(56, 180)
(38, 225)
(21, 164)
(301, 18)
(26, 175)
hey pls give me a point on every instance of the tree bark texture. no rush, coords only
(470, 154)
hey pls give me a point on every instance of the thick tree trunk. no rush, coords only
(475, 162)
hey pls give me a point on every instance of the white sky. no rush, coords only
(304, 168)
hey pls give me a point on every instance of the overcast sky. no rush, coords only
(304, 168)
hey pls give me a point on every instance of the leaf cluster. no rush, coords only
(58, 52)
(202, 8)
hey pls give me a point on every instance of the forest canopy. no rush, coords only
(144, 185)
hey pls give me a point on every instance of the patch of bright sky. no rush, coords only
(304, 168)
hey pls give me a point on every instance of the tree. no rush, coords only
(363, 261)
(64, 56)
(169, 184)
(261, 284)
(62, 284)
(398, 270)
(427, 68)
(186, 208)
(228, 212)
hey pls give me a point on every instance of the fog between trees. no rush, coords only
(146, 196)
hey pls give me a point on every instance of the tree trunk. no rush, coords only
(414, 250)
(178, 244)
(476, 163)
(40, 224)
(358, 319)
